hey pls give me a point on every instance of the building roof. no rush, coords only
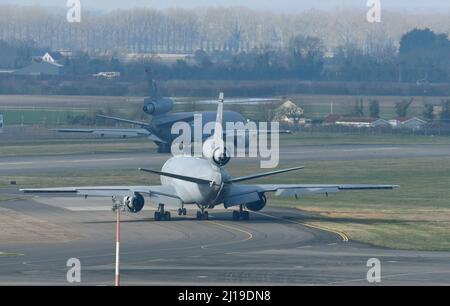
(288, 104)
(41, 68)
(353, 119)
(405, 119)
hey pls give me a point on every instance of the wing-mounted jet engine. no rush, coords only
(135, 203)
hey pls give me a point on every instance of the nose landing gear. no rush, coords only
(182, 211)
(202, 214)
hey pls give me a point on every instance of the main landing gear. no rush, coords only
(241, 214)
(182, 211)
(161, 214)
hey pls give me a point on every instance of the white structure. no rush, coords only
(355, 121)
(412, 123)
(289, 112)
(48, 58)
(52, 57)
(108, 75)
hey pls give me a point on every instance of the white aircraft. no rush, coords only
(204, 182)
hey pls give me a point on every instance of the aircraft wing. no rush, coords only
(289, 190)
(115, 132)
(138, 123)
(108, 191)
(238, 194)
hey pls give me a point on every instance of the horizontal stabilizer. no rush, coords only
(177, 176)
(124, 133)
(259, 175)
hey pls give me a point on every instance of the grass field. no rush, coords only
(52, 110)
(36, 147)
(74, 146)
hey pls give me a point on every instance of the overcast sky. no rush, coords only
(278, 5)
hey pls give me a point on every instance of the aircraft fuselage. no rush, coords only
(193, 193)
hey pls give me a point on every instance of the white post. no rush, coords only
(117, 278)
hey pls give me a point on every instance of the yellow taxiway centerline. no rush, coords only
(343, 236)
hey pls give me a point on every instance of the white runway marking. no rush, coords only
(88, 208)
(75, 161)
(343, 150)
(367, 149)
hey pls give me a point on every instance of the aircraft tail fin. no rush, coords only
(152, 85)
(218, 128)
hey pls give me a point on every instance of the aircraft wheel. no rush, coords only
(205, 215)
(245, 215)
(199, 215)
(235, 215)
(184, 211)
(157, 216)
(180, 211)
(167, 216)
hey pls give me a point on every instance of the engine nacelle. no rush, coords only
(220, 157)
(134, 204)
(257, 205)
(215, 154)
(158, 107)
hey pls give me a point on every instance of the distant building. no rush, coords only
(352, 121)
(160, 57)
(412, 123)
(288, 112)
(110, 75)
(52, 57)
(41, 68)
(437, 110)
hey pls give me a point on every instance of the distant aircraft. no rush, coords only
(159, 129)
(208, 186)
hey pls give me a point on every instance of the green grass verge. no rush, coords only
(325, 138)
(73, 147)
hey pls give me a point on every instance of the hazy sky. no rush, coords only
(278, 5)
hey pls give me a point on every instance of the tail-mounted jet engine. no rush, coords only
(134, 204)
(257, 205)
(157, 107)
(217, 154)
